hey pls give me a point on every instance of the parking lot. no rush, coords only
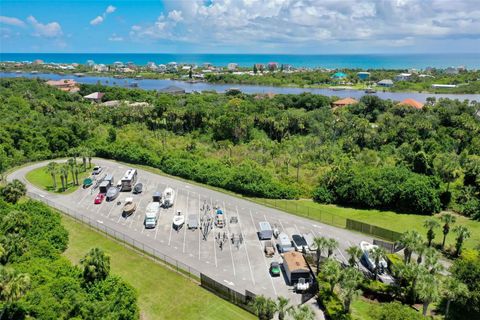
(238, 264)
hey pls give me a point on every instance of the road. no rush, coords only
(240, 267)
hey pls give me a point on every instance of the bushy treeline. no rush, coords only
(247, 178)
(394, 188)
(37, 282)
(262, 145)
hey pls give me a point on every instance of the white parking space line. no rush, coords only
(171, 226)
(185, 222)
(213, 234)
(245, 246)
(228, 233)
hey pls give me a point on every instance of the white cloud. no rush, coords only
(313, 23)
(96, 21)
(116, 38)
(48, 30)
(110, 9)
(12, 21)
(99, 19)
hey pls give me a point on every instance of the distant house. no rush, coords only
(90, 63)
(172, 66)
(343, 102)
(232, 66)
(363, 75)
(161, 68)
(38, 61)
(272, 66)
(296, 267)
(411, 103)
(95, 96)
(385, 83)
(100, 68)
(287, 67)
(451, 70)
(118, 64)
(152, 66)
(67, 85)
(260, 66)
(403, 77)
(339, 75)
(172, 90)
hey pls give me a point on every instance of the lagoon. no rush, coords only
(155, 84)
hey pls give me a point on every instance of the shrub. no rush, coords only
(395, 311)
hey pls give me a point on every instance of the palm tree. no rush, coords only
(355, 254)
(448, 220)
(410, 273)
(320, 243)
(64, 175)
(13, 285)
(282, 307)
(96, 265)
(349, 282)
(428, 290)
(72, 164)
(52, 169)
(303, 312)
(331, 245)
(462, 234)
(331, 272)
(431, 225)
(410, 240)
(420, 250)
(13, 191)
(377, 254)
(432, 261)
(453, 290)
(258, 305)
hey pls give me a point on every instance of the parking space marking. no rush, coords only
(184, 222)
(174, 206)
(213, 232)
(228, 233)
(245, 245)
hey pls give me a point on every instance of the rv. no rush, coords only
(151, 215)
(129, 179)
(266, 231)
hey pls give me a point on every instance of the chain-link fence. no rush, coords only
(373, 230)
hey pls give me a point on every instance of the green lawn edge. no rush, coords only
(162, 293)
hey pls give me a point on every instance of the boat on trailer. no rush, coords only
(129, 207)
(367, 247)
(178, 220)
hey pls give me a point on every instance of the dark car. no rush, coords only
(275, 269)
(299, 242)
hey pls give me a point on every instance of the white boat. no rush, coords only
(178, 220)
(168, 197)
(370, 262)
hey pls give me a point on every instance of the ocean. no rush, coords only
(361, 61)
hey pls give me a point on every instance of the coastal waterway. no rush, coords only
(156, 84)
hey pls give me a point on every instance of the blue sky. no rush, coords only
(241, 26)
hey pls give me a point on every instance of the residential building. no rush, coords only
(385, 83)
(438, 86)
(343, 102)
(260, 66)
(272, 66)
(95, 96)
(411, 103)
(363, 75)
(403, 77)
(100, 68)
(152, 66)
(232, 66)
(67, 85)
(339, 75)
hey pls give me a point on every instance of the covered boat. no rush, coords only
(87, 182)
(112, 193)
(369, 261)
(129, 207)
(138, 188)
(168, 197)
(178, 220)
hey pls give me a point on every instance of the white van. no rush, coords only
(151, 215)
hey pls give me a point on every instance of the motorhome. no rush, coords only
(129, 179)
(151, 215)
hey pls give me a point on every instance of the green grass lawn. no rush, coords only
(361, 309)
(336, 215)
(40, 178)
(162, 293)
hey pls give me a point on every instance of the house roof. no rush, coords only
(295, 261)
(95, 96)
(412, 103)
(385, 81)
(344, 102)
(339, 75)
